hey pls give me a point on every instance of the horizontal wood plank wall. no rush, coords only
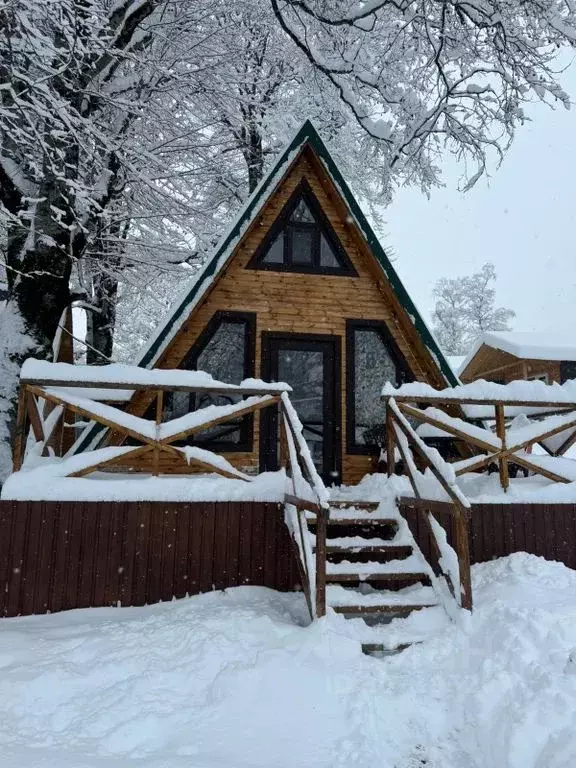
(497, 365)
(299, 303)
(61, 555)
(496, 530)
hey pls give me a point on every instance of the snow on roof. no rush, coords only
(527, 345)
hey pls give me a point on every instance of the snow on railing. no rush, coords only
(400, 430)
(66, 389)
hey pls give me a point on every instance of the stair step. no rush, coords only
(391, 551)
(380, 650)
(394, 611)
(361, 521)
(409, 578)
(365, 505)
(351, 543)
(412, 564)
(338, 596)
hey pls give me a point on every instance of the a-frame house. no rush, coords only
(300, 290)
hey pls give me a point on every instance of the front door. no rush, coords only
(311, 365)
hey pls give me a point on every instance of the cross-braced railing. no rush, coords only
(51, 392)
(498, 424)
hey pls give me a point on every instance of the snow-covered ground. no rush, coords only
(237, 680)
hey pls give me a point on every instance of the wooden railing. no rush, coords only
(304, 475)
(44, 401)
(455, 570)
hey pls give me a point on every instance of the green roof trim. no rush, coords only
(306, 135)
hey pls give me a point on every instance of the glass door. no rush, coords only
(311, 365)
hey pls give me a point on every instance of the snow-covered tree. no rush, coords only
(465, 308)
(118, 119)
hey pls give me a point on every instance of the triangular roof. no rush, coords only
(195, 291)
(199, 286)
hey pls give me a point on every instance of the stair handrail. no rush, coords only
(300, 458)
(400, 431)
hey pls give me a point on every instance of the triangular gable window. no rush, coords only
(302, 240)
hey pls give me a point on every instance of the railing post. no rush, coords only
(321, 529)
(501, 432)
(390, 443)
(20, 437)
(463, 552)
(159, 409)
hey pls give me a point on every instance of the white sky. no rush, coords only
(522, 220)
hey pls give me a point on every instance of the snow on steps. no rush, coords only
(408, 566)
(415, 597)
(376, 576)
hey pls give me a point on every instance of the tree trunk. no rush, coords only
(101, 322)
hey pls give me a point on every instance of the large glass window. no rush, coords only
(302, 240)
(225, 350)
(371, 363)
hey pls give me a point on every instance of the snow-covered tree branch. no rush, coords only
(465, 308)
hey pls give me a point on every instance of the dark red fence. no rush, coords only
(548, 530)
(60, 555)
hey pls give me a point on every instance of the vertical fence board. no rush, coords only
(257, 547)
(169, 519)
(233, 540)
(60, 573)
(130, 527)
(182, 524)
(206, 563)
(244, 543)
(25, 558)
(6, 532)
(155, 534)
(220, 567)
(195, 535)
(141, 550)
(70, 597)
(50, 523)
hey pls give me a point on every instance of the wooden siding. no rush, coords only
(496, 530)
(61, 555)
(496, 365)
(304, 303)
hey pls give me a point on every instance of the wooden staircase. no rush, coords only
(373, 568)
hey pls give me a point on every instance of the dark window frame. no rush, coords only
(332, 397)
(285, 228)
(404, 373)
(245, 443)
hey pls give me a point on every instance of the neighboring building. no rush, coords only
(300, 290)
(511, 355)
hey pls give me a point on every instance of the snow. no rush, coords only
(515, 391)
(240, 680)
(46, 482)
(412, 564)
(555, 345)
(206, 415)
(131, 375)
(14, 345)
(193, 452)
